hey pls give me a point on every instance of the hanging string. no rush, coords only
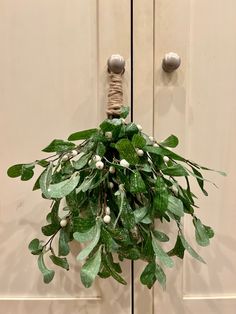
(115, 95)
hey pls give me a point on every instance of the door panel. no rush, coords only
(197, 103)
(53, 82)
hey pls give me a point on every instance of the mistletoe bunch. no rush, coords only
(108, 191)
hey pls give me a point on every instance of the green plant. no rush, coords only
(116, 183)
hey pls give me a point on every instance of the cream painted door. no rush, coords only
(52, 82)
(198, 104)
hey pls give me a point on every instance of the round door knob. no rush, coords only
(116, 64)
(171, 62)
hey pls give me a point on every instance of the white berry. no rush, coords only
(151, 138)
(99, 165)
(112, 169)
(108, 135)
(90, 161)
(107, 219)
(155, 145)
(63, 222)
(111, 185)
(108, 210)
(166, 158)
(124, 163)
(65, 157)
(139, 127)
(140, 152)
(97, 158)
(74, 152)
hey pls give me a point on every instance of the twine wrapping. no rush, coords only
(115, 95)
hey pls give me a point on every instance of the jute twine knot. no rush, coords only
(115, 95)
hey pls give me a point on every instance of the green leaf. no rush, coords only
(27, 172)
(73, 201)
(178, 249)
(112, 125)
(43, 163)
(138, 141)
(210, 231)
(175, 170)
(209, 169)
(125, 212)
(200, 180)
(115, 266)
(151, 273)
(82, 135)
(145, 168)
(36, 184)
(61, 262)
(110, 243)
(162, 151)
(161, 195)
(58, 146)
(87, 183)
(160, 236)
(120, 235)
(148, 252)
(124, 112)
(190, 250)
(35, 247)
(148, 276)
(131, 129)
(63, 247)
(140, 213)
(45, 180)
(48, 274)
(99, 178)
(90, 269)
(85, 236)
(171, 141)
(82, 161)
(104, 272)
(161, 254)
(55, 219)
(160, 275)
(201, 233)
(137, 184)
(83, 224)
(63, 188)
(175, 206)
(49, 230)
(101, 149)
(88, 249)
(132, 253)
(15, 171)
(127, 151)
(111, 267)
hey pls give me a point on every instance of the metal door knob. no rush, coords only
(171, 62)
(116, 64)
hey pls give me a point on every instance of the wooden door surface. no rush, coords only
(53, 81)
(197, 103)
